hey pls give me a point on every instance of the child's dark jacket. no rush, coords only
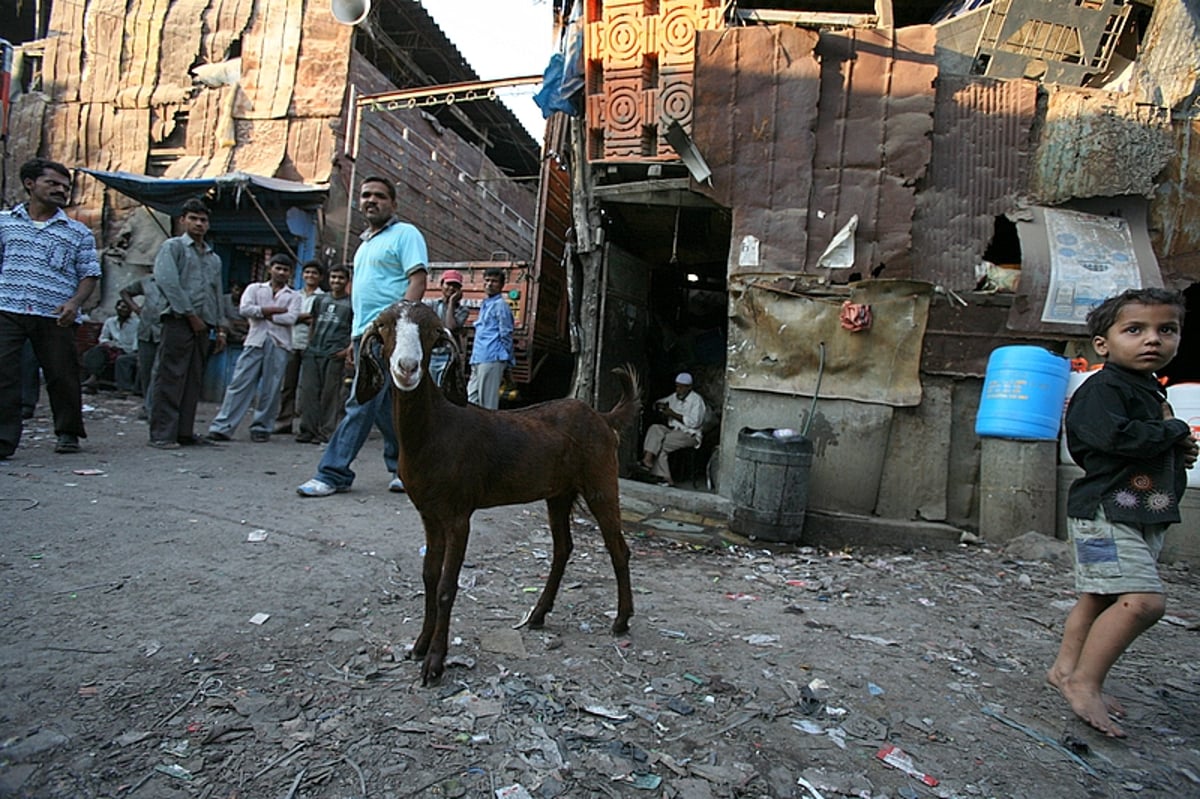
(1116, 432)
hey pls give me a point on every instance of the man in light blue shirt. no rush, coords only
(389, 265)
(492, 352)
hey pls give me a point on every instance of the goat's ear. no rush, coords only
(454, 380)
(368, 376)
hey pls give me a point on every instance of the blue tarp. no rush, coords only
(168, 195)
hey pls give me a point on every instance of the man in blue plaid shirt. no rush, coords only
(48, 267)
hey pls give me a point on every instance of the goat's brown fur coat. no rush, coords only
(455, 459)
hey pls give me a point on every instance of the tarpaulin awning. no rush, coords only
(169, 194)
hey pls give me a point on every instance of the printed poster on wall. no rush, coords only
(1091, 257)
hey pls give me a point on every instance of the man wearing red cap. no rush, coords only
(453, 315)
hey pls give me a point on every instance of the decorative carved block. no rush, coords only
(640, 56)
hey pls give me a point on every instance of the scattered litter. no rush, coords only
(514, 791)
(174, 770)
(873, 639)
(897, 758)
(87, 472)
(151, 648)
(254, 536)
(607, 713)
(646, 782)
(761, 639)
(874, 689)
(741, 597)
(808, 786)
(672, 633)
(260, 618)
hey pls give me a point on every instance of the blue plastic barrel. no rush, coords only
(1023, 394)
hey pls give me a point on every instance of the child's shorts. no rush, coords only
(1115, 557)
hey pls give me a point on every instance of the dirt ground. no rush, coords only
(131, 663)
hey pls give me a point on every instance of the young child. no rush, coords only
(1134, 453)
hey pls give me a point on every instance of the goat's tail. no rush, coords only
(626, 411)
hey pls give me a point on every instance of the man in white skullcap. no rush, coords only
(684, 411)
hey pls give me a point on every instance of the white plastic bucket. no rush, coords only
(1185, 402)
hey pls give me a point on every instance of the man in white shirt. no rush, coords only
(684, 410)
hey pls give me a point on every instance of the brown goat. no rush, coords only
(455, 459)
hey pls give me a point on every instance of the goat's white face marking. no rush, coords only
(405, 363)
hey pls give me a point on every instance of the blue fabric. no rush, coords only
(41, 267)
(550, 97)
(382, 265)
(493, 332)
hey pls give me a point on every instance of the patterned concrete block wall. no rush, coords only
(640, 61)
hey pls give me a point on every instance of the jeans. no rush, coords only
(334, 468)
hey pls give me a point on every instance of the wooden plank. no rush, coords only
(269, 51)
(225, 21)
(323, 63)
(103, 38)
(62, 64)
(182, 32)
(143, 36)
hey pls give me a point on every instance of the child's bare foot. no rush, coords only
(1091, 707)
(1111, 703)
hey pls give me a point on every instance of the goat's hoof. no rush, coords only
(620, 627)
(431, 670)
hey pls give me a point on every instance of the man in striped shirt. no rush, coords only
(48, 267)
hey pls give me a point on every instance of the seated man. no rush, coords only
(115, 356)
(685, 411)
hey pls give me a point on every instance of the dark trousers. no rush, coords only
(290, 393)
(31, 381)
(54, 347)
(178, 380)
(322, 395)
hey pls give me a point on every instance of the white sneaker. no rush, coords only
(317, 488)
(396, 486)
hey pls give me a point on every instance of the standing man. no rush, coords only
(48, 266)
(492, 352)
(188, 274)
(389, 265)
(453, 315)
(149, 333)
(322, 391)
(312, 273)
(272, 307)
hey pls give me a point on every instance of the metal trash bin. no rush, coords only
(769, 488)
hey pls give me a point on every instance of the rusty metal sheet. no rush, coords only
(25, 130)
(774, 338)
(757, 135)
(982, 145)
(103, 26)
(872, 142)
(1098, 144)
(142, 51)
(1175, 210)
(225, 21)
(309, 151)
(62, 64)
(1168, 56)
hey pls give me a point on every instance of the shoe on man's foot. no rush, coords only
(260, 436)
(319, 488)
(67, 443)
(197, 441)
(396, 486)
(163, 444)
(216, 436)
